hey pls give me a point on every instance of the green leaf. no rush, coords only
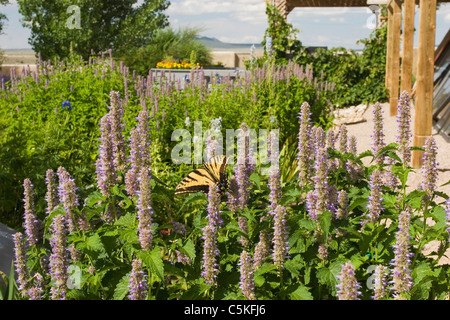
(192, 198)
(121, 289)
(325, 223)
(256, 180)
(94, 198)
(94, 243)
(189, 249)
(301, 293)
(153, 261)
(128, 220)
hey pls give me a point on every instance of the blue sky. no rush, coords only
(242, 21)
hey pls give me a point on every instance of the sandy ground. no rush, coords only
(363, 131)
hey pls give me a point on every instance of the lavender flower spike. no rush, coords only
(67, 195)
(20, 263)
(378, 134)
(375, 198)
(138, 287)
(31, 224)
(404, 128)
(380, 282)
(246, 284)
(429, 167)
(321, 190)
(401, 275)
(244, 166)
(210, 252)
(274, 180)
(261, 249)
(118, 143)
(52, 191)
(59, 260)
(145, 210)
(304, 146)
(348, 286)
(106, 173)
(213, 208)
(280, 244)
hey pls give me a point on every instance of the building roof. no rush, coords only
(333, 3)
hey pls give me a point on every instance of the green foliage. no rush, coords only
(168, 44)
(98, 26)
(37, 133)
(283, 34)
(356, 78)
(106, 251)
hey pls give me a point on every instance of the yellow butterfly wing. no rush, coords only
(200, 179)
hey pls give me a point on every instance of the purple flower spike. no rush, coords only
(20, 263)
(378, 134)
(138, 287)
(348, 286)
(380, 282)
(429, 168)
(210, 252)
(375, 198)
(52, 191)
(106, 173)
(213, 208)
(304, 146)
(280, 243)
(401, 274)
(145, 210)
(31, 224)
(404, 127)
(116, 113)
(261, 249)
(244, 166)
(59, 259)
(246, 284)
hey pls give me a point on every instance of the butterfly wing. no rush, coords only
(216, 166)
(197, 180)
(200, 179)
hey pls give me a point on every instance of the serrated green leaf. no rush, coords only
(153, 261)
(121, 289)
(94, 243)
(325, 223)
(301, 293)
(94, 198)
(189, 249)
(127, 220)
(255, 178)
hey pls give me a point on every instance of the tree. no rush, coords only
(59, 26)
(2, 16)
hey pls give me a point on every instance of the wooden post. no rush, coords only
(395, 56)
(408, 45)
(387, 81)
(423, 121)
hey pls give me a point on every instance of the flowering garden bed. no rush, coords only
(314, 223)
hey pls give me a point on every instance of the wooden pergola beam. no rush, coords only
(408, 46)
(393, 57)
(423, 120)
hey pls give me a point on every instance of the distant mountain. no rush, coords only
(214, 43)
